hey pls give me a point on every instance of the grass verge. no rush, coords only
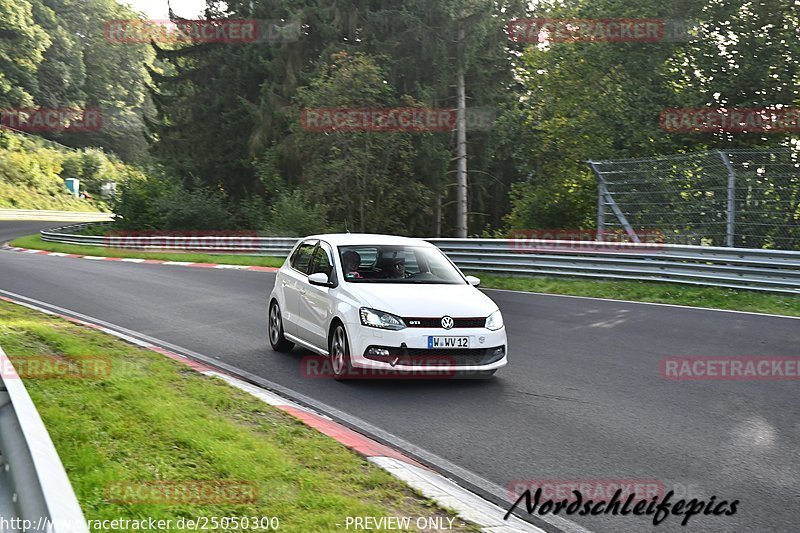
(35, 242)
(643, 291)
(150, 419)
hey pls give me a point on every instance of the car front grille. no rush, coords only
(436, 322)
(425, 357)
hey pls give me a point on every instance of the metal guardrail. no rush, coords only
(35, 492)
(246, 244)
(65, 216)
(738, 268)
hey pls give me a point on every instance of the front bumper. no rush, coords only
(408, 350)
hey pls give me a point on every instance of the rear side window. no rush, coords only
(302, 257)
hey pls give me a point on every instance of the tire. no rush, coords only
(276, 338)
(339, 350)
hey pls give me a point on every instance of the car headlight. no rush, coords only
(494, 321)
(379, 319)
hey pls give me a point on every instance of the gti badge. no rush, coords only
(447, 322)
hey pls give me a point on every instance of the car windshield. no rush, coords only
(397, 264)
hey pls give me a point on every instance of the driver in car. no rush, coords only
(350, 263)
(398, 269)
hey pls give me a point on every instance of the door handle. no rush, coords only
(302, 291)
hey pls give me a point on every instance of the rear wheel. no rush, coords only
(276, 338)
(339, 350)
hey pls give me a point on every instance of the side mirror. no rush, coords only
(472, 280)
(320, 278)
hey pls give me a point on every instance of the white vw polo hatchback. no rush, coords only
(378, 303)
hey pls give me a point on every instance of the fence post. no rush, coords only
(731, 209)
(605, 197)
(601, 206)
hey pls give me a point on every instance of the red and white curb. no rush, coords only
(143, 261)
(434, 486)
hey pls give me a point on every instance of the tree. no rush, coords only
(22, 45)
(225, 109)
(603, 100)
(364, 178)
(85, 68)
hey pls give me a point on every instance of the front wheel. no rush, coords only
(339, 350)
(276, 338)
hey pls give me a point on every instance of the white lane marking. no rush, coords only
(262, 394)
(468, 505)
(644, 303)
(178, 263)
(130, 260)
(93, 257)
(233, 267)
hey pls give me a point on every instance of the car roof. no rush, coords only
(349, 239)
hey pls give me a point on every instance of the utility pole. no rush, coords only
(461, 134)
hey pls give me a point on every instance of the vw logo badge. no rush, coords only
(447, 322)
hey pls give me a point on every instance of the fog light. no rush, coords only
(499, 352)
(382, 352)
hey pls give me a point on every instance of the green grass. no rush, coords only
(152, 419)
(670, 293)
(35, 242)
(18, 197)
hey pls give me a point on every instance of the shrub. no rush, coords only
(200, 209)
(134, 203)
(253, 213)
(294, 216)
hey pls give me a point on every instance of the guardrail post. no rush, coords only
(731, 208)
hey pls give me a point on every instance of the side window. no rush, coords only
(322, 261)
(302, 257)
(412, 265)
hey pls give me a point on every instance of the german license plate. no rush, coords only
(448, 342)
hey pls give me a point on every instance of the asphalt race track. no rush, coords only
(582, 398)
